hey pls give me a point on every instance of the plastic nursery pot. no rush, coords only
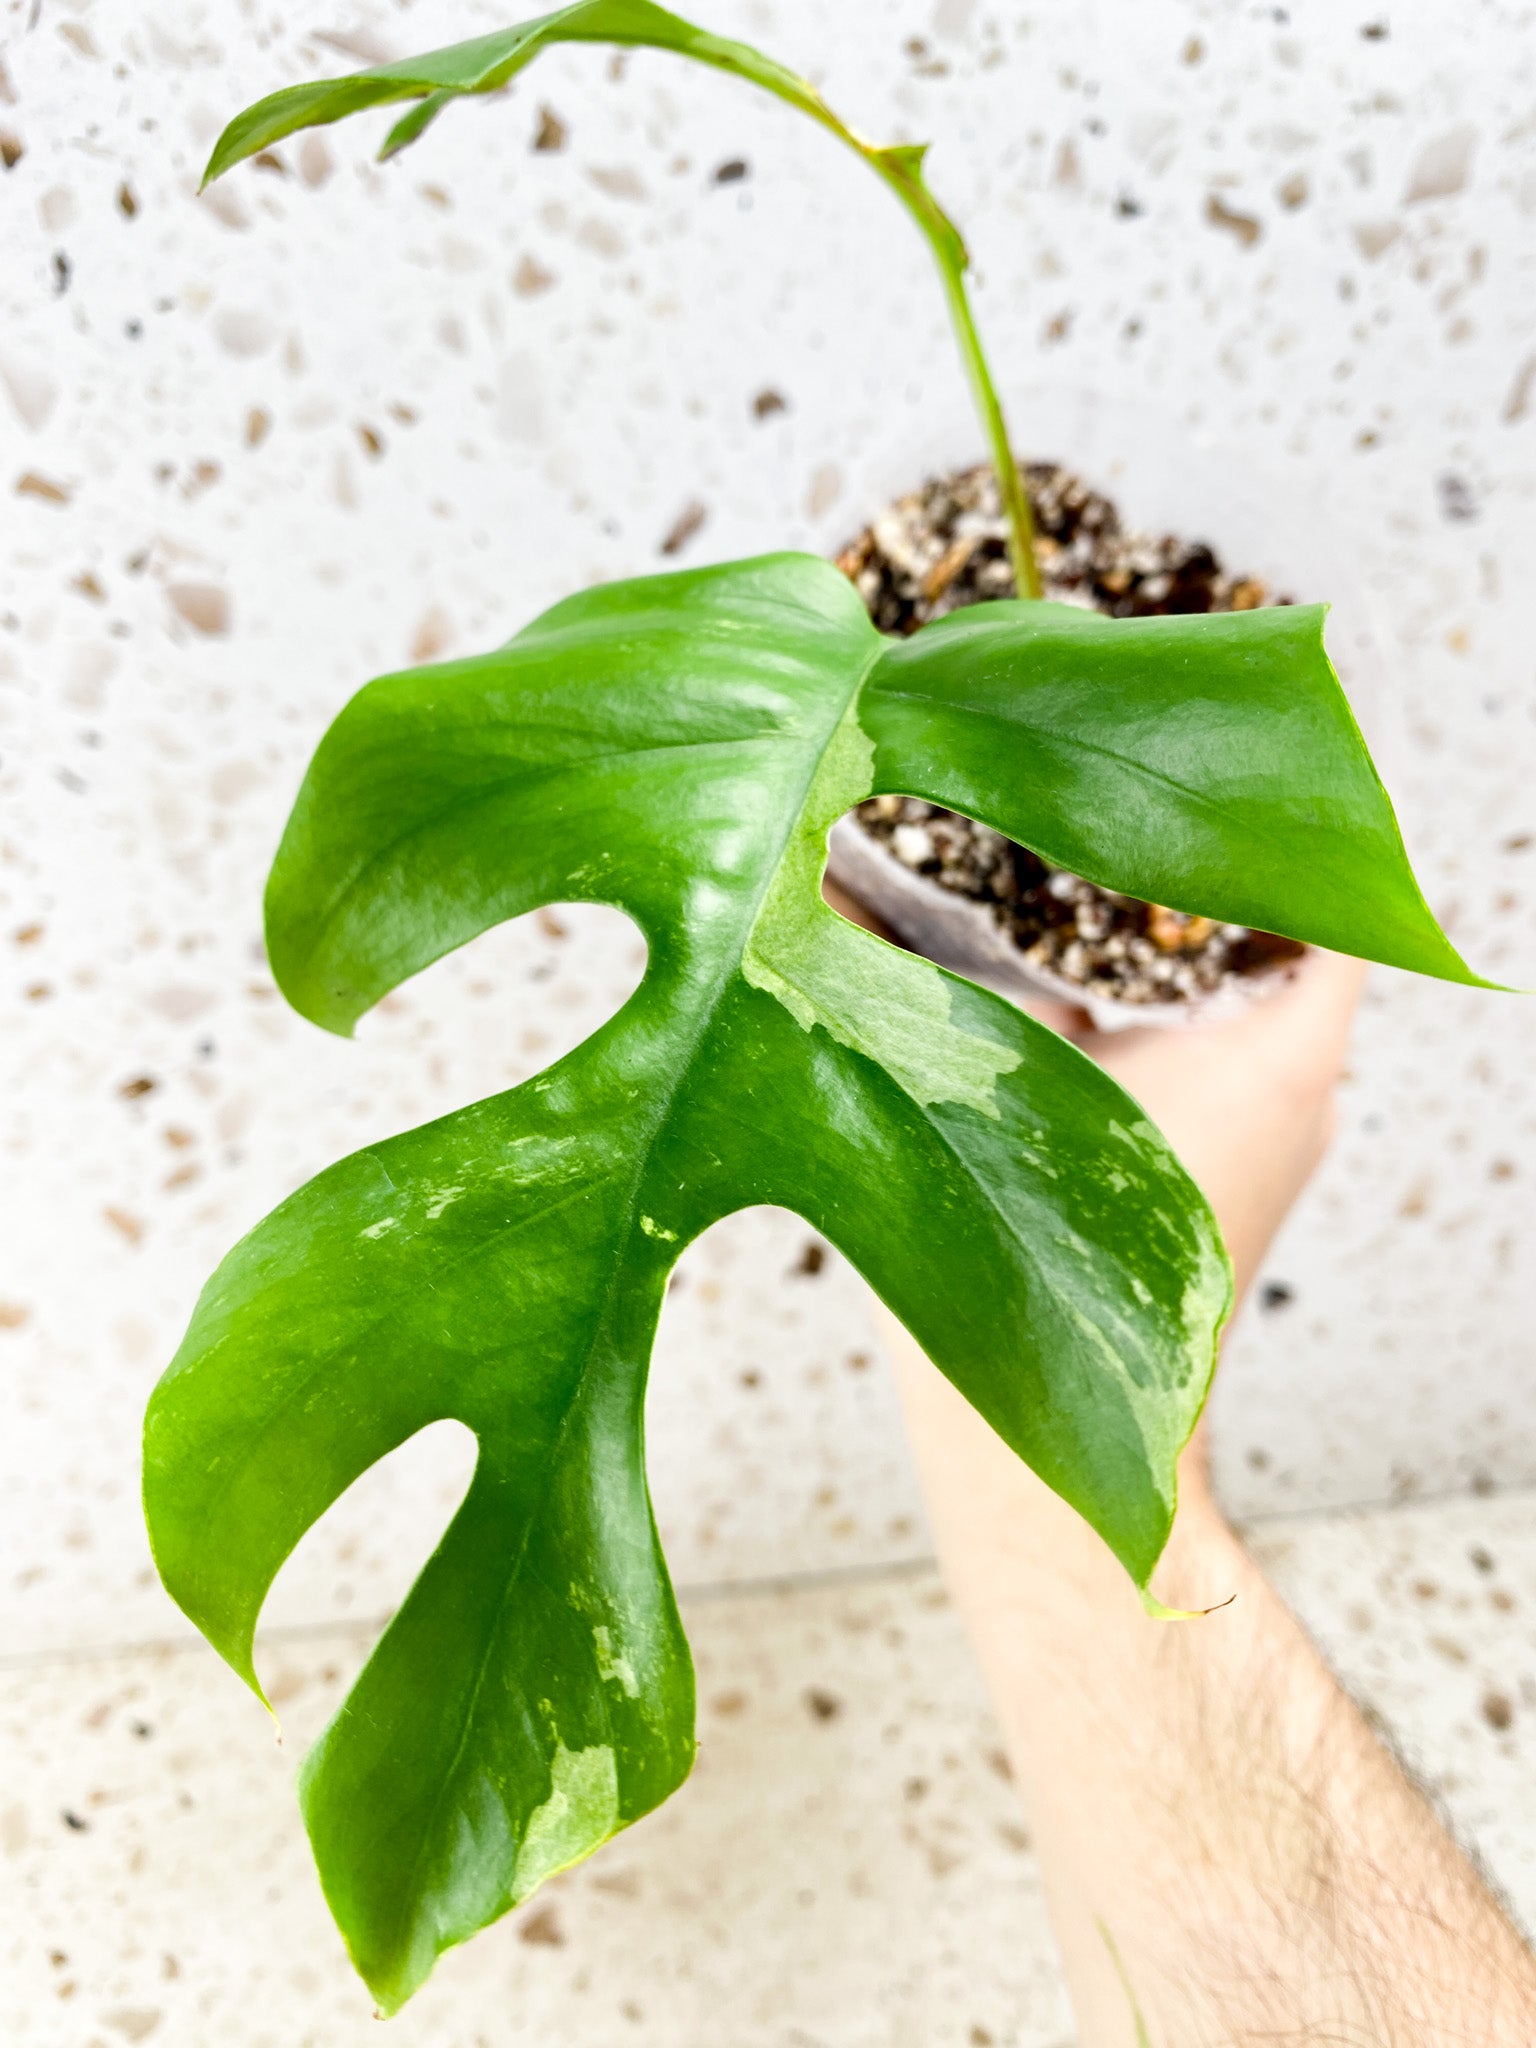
(1163, 479)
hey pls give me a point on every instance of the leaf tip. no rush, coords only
(240, 1657)
(229, 150)
(330, 1009)
(399, 138)
(1156, 1611)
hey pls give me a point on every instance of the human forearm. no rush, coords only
(1203, 1794)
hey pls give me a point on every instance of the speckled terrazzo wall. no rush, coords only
(329, 418)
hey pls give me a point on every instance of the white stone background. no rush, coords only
(258, 446)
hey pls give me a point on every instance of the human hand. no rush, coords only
(1247, 1103)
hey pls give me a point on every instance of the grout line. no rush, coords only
(168, 1646)
(705, 1593)
(1382, 1504)
(712, 1592)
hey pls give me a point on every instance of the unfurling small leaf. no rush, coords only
(488, 64)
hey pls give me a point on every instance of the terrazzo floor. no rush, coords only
(848, 1867)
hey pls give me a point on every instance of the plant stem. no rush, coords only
(1010, 485)
(487, 63)
(902, 170)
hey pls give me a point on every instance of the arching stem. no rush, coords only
(489, 63)
(1010, 484)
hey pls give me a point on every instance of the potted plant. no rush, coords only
(681, 746)
(966, 895)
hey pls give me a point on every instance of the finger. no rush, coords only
(1314, 1013)
(1329, 982)
(1068, 1020)
(857, 912)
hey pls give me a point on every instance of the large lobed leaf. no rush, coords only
(679, 746)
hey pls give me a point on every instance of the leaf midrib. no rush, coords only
(730, 971)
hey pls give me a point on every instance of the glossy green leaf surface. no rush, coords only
(1210, 762)
(680, 746)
